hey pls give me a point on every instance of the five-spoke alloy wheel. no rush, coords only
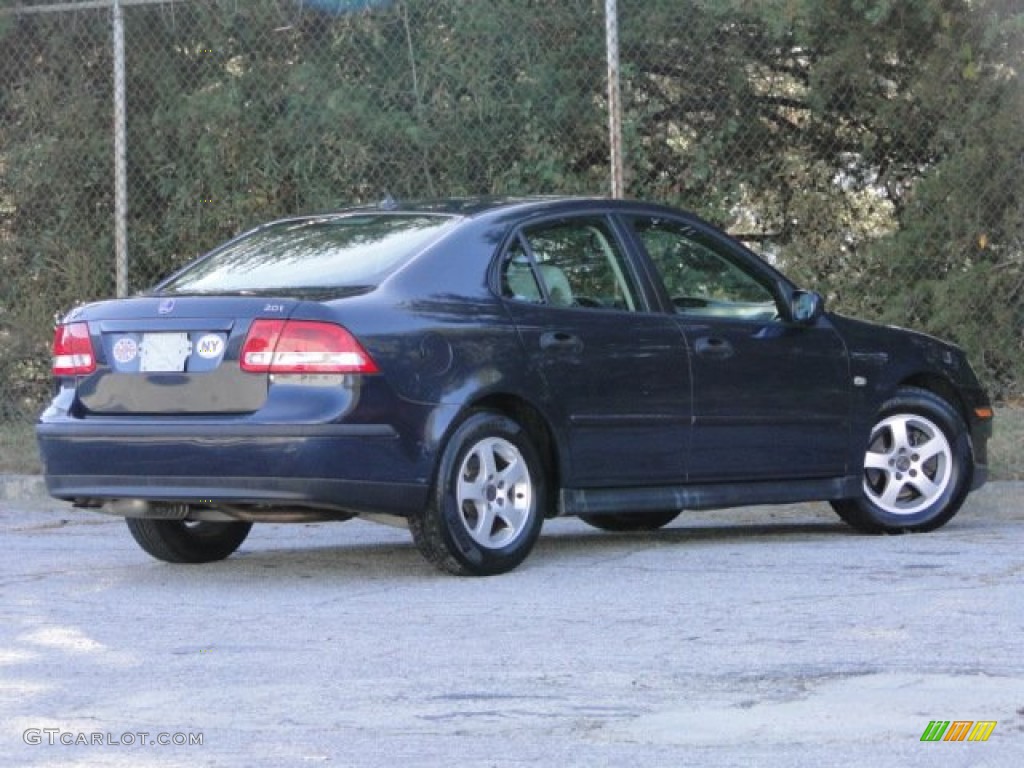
(493, 492)
(916, 467)
(485, 512)
(909, 464)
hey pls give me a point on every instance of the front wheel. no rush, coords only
(485, 510)
(917, 468)
(180, 541)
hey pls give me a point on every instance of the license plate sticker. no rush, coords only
(164, 352)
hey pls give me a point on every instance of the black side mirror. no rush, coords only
(805, 307)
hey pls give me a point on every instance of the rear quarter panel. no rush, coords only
(439, 335)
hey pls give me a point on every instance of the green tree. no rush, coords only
(871, 147)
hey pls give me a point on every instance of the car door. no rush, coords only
(617, 375)
(771, 397)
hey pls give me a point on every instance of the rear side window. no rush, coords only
(352, 251)
(569, 263)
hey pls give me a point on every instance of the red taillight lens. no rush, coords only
(303, 346)
(72, 351)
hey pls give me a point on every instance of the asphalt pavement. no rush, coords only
(771, 636)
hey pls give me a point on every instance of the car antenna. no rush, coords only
(388, 203)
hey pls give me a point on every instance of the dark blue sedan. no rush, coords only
(473, 367)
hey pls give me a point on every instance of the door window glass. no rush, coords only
(701, 280)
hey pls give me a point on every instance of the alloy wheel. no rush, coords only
(909, 464)
(494, 492)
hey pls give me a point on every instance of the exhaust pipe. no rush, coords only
(171, 510)
(153, 510)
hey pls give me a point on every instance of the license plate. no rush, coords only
(164, 352)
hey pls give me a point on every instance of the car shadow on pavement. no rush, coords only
(393, 555)
(583, 539)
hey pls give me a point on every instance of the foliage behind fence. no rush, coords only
(873, 149)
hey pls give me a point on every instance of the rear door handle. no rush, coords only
(713, 348)
(561, 340)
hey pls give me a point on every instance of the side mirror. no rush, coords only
(805, 307)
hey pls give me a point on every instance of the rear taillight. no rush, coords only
(303, 346)
(72, 351)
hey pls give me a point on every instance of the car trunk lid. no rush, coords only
(174, 355)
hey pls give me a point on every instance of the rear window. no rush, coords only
(353, 251)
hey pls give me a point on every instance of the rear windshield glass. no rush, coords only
(340, 252)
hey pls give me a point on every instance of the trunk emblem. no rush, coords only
(166, 307)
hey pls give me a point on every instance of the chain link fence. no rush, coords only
(874, 150)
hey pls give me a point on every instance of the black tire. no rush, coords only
(917, 468)
(637, 521)
(177, 541)
(485, 510)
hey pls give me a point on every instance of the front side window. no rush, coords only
(569, 263)
(702, 280)
(332, 252)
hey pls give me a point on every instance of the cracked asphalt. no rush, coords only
(773, 636)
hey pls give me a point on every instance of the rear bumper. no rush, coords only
(350, 468)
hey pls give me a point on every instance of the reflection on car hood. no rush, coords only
(877, 332)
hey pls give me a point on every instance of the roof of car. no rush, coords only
(476, 206)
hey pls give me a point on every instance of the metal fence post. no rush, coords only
(611, 13)
(120, 152)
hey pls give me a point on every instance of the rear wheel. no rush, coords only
(917, 467)
(484, 515)
(179, 541)
(637, 521)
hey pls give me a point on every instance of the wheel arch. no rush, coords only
(946, 391)
(941, 387)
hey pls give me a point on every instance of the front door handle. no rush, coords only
(561, 340)
(713, 348)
